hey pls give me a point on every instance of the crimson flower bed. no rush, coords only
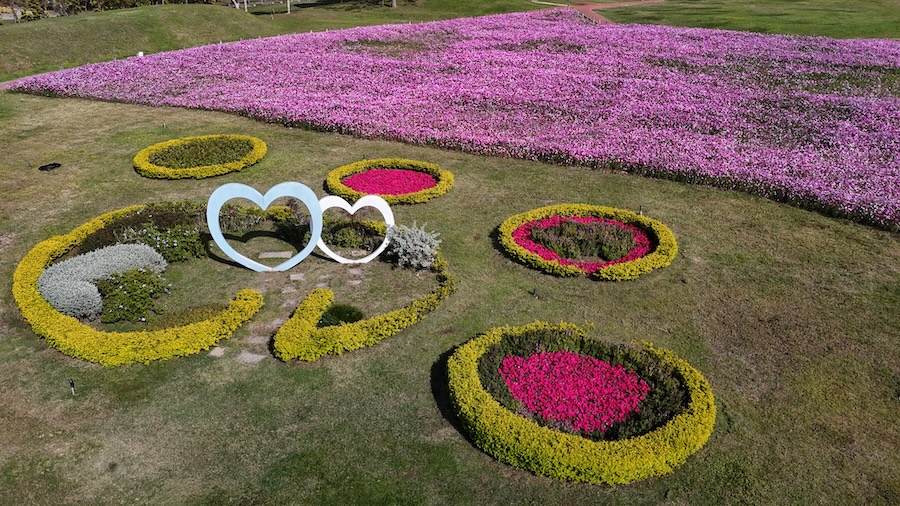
(389, 181)
(563, 386)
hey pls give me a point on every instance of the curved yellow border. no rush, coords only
(300, 338)
(444, 178)
(662, 256)
(146, 168)
(522, 443)
(76, 339)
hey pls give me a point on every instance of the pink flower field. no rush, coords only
(807, 120)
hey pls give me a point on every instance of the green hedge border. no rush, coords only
(78, 340)
(444, 178)
(662, 256)
(299, 337)
(146, 168)
(522, 443)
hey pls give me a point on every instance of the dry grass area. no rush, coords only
(791, 315)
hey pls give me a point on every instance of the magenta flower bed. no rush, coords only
(563, 386)
(808, 120)
(389, 181)
(522, 236)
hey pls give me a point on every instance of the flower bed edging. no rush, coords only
(522, 443)
(146, 168)
(661, 256)
(444, 180)
(299, 337)
(78, 340)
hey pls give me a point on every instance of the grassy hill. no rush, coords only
(102, 36)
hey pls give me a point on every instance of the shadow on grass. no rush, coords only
(440, 389)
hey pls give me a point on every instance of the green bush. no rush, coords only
(337, 314)
(129, 296)
(575, 240)
(199, 157)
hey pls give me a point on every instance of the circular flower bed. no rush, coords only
(578, 239)
(397, 181)
(199, 157)
(655, 408)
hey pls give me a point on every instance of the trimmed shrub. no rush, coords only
(523, 443)
(199, 157)
(75, 339)
(300, 338)
(69, 286)
(444, 180)
(411, 246)
(661, 255)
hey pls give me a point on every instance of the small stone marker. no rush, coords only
(354, 282)
(298, 277)
(217, 352)
(276, 254)
(288, 289)
(321, 285)
(249, 358)
(356, 271)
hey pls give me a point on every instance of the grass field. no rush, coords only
(832, 18)
(792, 317)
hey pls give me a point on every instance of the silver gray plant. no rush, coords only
(412, 246)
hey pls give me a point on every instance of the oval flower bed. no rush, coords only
(74, 338)
(398, 181)
(525, 395)
(199, 157)
(623, 244)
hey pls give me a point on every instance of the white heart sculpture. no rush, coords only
(367, 201)
(231, 191)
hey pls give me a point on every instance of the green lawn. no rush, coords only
(832, 18)
(791, 315)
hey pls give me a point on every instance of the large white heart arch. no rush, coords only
(231, 191)
(316, 207)
(367, 201)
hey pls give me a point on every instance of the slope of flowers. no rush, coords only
(807, 120)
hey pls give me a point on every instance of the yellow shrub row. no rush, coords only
(300, 338)
(76, 339)
(662, 256)
(334, 181)
(146, 168)
(522, 443)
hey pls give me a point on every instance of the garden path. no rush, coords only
(589, 9)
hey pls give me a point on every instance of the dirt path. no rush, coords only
(589, 10)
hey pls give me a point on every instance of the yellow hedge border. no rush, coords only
(78, 340)
(661, 256)
(334, 181)
(300, 338)
(146, 168)
(522, 443)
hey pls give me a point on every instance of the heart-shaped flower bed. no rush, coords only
(397, 181)
(578, 239)
(563, 386)
(531, 395)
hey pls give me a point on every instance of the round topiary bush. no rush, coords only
(581, 239)
(548, 399)
(397, 181)
(199, 157)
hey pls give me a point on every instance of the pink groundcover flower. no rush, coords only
(522, 236)
(564, 386)
(389, 181)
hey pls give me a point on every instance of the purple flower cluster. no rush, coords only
(807, 120)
